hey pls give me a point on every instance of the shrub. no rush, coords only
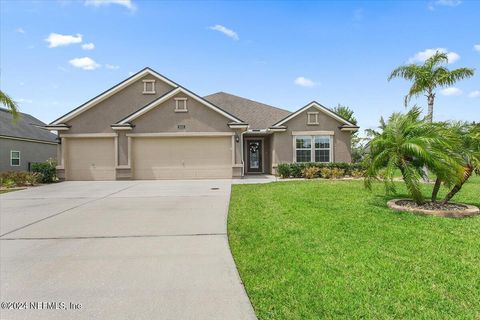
(338, 173)
(326, 173)
(7, 183)
(356, 173)
(11, 179)
(47, 170)
(296, 171)
(32, 178)
(310, 172)
(283, 170)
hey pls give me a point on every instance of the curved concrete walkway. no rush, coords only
(120, 250)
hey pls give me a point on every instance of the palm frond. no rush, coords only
(408, 72)
(449, 78)
(10, 104)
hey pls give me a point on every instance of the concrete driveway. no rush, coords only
(119, 250)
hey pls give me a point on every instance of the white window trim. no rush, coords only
(19, 158)
(181, 102)
(295, 147)
(145, 86)
(312, 147)
(315, 117)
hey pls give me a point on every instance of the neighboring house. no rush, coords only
(24, 141)
(149, 127)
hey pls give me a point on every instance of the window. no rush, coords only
(181, 105)
(322, 149)
(312, 118)
(313, 148)
(149, 86)
(14, 158)
(303, 148)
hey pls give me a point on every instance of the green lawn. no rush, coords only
(331, 249)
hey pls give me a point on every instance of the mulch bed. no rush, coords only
(450, 210)
(431, 205)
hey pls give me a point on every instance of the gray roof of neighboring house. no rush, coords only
(26, 126)
(257, 115)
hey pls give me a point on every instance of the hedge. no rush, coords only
(297, 170)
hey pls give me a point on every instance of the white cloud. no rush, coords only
(20, 30)
(97, 3)
(112, 67)
(447, 3)
(228, 32)
(474, 94)
(88, 46)
(443, 3)
(21, 101)
(451, 91)
(427, 53)
(304, 82)
(476, 47)
(84, 63)
(57, 40)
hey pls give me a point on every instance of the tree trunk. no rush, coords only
(436, 188)
(430, 99)
(467, 174)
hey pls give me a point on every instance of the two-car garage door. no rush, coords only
(181, 157)
(151, 158)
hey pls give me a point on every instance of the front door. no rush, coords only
(254, 156)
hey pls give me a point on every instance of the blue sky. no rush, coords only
(56, 55)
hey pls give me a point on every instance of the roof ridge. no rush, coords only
(234, 95)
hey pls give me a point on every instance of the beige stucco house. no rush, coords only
(149, 127)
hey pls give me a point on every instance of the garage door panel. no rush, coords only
(90, 159)
(182, 158)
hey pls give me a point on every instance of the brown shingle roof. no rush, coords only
(257, 115)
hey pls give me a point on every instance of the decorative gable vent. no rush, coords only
(181, 105)
(312, 118)
(149, 86)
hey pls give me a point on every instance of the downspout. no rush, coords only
(241, 155)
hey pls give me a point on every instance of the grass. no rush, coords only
(333, 250)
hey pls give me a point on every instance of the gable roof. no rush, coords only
(257, 115)
(320, 108)
(26, 127)
(169, 95)
(104, 95)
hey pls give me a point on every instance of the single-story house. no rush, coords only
(149, 127)
(24, 141)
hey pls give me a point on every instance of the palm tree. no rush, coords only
(429, 76)
(452, 130)
(345, 112)
(9, 103)
(469, 150)
(409, 144)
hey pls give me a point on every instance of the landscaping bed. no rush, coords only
(451, 210)
(331, 249)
